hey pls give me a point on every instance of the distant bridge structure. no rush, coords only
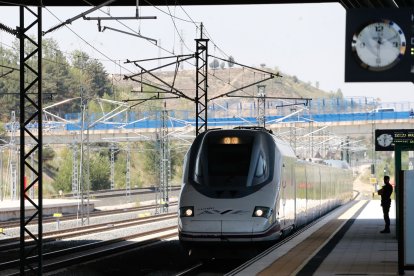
(350, 117)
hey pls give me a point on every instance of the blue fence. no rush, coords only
(235, 121)
(236, 112)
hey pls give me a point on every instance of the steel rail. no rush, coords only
(80, 254)
(16, 223)
(12, 243)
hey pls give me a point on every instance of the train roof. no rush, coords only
(337, 163)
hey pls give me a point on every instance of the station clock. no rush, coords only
(379, 45)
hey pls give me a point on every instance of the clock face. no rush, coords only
(385, 140)
(379, 45)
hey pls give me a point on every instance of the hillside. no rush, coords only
(221, 81)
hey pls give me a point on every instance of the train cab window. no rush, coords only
(261, 167)
(231, 164)
(228, 160)
(223, 161)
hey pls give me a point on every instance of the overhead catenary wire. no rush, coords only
(69, 55)
(175, 17)
(129, 28)
(70, 20)
(89, 44)
(153, 42)
(109, 59)
(8, 29)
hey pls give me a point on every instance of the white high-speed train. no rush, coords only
(246, 185)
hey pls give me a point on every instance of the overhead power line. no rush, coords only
(70, 20)
(8, 29)
(128, 33)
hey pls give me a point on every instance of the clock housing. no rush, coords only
(379, 45)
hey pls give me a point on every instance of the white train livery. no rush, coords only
(246, 185)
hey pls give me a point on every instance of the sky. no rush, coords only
(305, 40)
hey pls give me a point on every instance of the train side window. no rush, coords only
(261, 167)
(198, 170)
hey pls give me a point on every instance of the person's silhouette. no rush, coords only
(385, 193)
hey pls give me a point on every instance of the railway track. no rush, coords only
(13, 243)
(16, 223)
(228, 269)
(120, 192)
(80, 254)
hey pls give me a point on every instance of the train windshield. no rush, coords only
(231, 160)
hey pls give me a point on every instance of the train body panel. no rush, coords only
(229, 219)
(248, 186)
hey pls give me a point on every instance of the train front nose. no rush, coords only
(223, 225)
(216, 230)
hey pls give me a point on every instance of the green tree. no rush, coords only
(214, 64)
(339, 93)
(177, 158)
(63, 179)
(99, 79)
(92, 74)
(99, 172)
(9, 81)
(151, 161)
(120, 170)
(57, 80)
(230, 63)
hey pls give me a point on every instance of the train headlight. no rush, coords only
(187, 211)
(263, 212)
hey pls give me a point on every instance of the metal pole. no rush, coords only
(75, 171)
(398, 210)
(84, 161)
(31, 113)
(112, 164)
(1, 176)
(261, 105)
(201, 83)
(164, 158)
(128, 173)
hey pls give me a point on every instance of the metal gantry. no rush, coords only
(13, 157)
(1, 175)
(128, 173)
(84, 181)
(164, 157)
(112, 149)
(201, 83)
(261, 105)
(75, 170)
(30, 113)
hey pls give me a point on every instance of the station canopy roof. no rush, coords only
(346, 3)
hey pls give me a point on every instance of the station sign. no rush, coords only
(379, 45)
(386, 139)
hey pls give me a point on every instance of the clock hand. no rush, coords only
(392, 37)
(378, 46)
(371, 45)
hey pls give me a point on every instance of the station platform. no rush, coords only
(346, 242)
(10, 209)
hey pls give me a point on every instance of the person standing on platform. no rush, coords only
(385, 193)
